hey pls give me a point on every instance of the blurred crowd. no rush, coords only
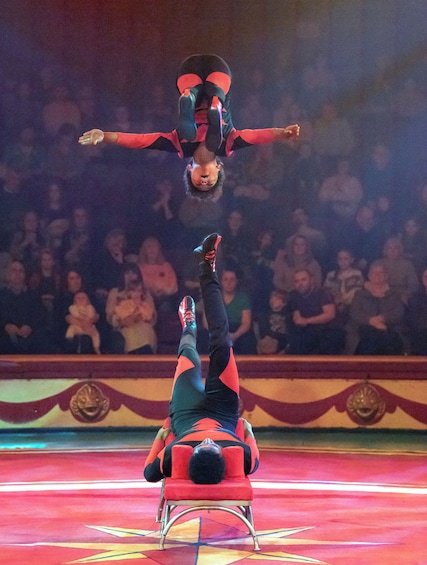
(324, 245)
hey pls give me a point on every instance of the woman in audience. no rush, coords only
(77, 248)
(27, 242)
(239, 311)
(414, 242)
(81, 343)
(135, 316)
(376, 316)
(297, 256)
(110, 260)
(46, 283)
(343, 283)
(158, 275)
(402, 276)
(54, 214)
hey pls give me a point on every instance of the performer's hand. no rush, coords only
(163, 433)
(92, 137)
(247, 428)
(289, 132)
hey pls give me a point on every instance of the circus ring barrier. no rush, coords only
(283, 392)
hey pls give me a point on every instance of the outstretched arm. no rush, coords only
(289, 132)
(95, 136)
(246, 137)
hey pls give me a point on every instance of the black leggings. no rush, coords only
(219, 397)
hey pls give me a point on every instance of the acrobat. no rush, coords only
(205, 130)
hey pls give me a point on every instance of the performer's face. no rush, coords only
(208, 444)
(204, 176)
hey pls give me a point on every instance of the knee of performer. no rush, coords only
(189, 352)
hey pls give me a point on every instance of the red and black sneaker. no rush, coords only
(187, 313)
(214, 132)
(206, 251)
(186, 125)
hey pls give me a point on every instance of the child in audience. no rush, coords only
(83, 317)
(273, 334)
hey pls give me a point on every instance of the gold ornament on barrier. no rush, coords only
(89, 404)
(365, 405)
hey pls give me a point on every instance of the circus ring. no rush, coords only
(61, 392)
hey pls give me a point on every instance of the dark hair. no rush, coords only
(130, 268)
(213, 193)
(206, 467)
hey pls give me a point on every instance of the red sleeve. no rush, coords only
(238, 139)
(161, 141)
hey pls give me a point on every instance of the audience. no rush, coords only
(372, 215)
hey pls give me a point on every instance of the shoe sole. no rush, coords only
(186, 128)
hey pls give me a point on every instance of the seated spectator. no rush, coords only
(27, 243)
(60, 110)
(239, 311)
(19, 104)
(272, 326)
(161, 215)
(14, 202)
(414, 243)
(159, 276)
(417, 318)
(333, 137)
(81, 343)
(376, 314)
(77, 245)
(236, 245)
(199, 217)
(343, 283)
(46, 283)
(316, 238)
(262, 256)
(386, 215)
(364, 238)
(313, 326)
(294, 257)
(379, 175)
(54, 213)
(22, 317)
(401, 274)
(341, 193)
(5, 259)
(81, 320)
(65, 158)
(110, 262)
(26, 155)
(135, 316)
(318, 83)
(304, 178)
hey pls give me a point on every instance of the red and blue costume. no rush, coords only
(198, 411)
(206, 76)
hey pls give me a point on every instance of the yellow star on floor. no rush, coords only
(209, 552)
